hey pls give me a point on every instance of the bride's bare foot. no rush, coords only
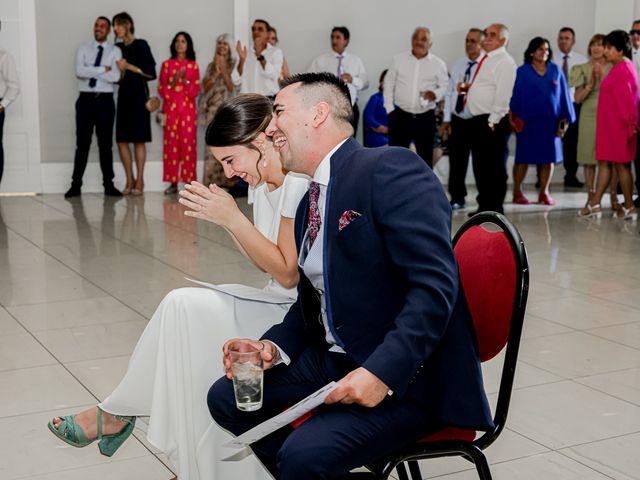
(88, 421)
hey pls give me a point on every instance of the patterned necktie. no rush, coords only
(314, 221)
(460, 103)
(93, 81)
(339, 70)
(565, 66)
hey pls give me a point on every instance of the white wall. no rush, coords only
(63, 25)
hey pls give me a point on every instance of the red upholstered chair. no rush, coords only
(495, 278)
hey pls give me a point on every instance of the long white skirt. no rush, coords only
(176, 360)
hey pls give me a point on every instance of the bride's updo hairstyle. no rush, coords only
(239, 121)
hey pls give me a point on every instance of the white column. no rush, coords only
(22, 122)
(241, 21)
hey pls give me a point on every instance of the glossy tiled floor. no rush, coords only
(79, 279)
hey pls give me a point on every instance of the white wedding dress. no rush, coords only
(179, 356)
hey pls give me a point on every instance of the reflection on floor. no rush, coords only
(80, 278)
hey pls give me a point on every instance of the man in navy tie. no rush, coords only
(97, 71)
(379, 307)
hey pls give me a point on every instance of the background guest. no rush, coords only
(456, 122)
(96, 71)
(272, 38)
(9, 89)
(635, 56)
(217, 86)
(375, 120)
(616, 125)
(488, 99)
(565, 61)
(416, 82)
(258, 70)
(133, 121)
(178, 87)
(541, 111)
(346, 66)
(585, 79)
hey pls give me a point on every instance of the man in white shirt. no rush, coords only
(565, 61)
(97, 71)
(9, 90)
(488, 100)
(346, 66)
(635, 52)
(259, 69)
(415, 83)
(457, 117)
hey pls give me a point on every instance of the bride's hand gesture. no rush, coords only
(212, 204)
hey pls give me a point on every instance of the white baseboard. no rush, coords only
(56, 177)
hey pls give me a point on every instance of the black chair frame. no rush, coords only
(473, 451)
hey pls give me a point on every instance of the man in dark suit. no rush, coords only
(379, 308)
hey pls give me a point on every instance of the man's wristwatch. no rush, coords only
(260, 58)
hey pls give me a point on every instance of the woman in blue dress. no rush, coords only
(541, 111)
(375, 119)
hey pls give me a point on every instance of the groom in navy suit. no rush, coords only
(379, 307)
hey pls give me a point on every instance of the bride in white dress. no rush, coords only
(177, 357)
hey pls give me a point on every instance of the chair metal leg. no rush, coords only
(402, 472)
(414, 468)
(480, 461)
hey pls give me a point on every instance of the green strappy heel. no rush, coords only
(70, 432)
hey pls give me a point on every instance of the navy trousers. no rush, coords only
(337, 438)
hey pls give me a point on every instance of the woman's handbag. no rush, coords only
(153, 103)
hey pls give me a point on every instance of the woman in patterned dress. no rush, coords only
(217, 87)
(178, 87)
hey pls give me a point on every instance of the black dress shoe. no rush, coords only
(573, 183)
(73, 192)
(112, 191)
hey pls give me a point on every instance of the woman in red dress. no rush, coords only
(178, 87)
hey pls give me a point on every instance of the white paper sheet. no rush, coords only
(246, 293)
(269, 426)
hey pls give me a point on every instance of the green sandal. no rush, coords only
(70, 432)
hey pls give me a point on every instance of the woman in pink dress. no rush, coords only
(617, 126)
(178, 87)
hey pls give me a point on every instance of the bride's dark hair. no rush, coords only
(239, 121)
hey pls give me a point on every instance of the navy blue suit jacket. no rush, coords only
(391, 283)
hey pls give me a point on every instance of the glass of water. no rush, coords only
(247, 370)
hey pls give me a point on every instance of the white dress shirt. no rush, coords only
(9, 83)
(457, 76)
(573, 58)
(254, 78)
(635, 55)
(85, 69)
(491, 90)
(409, 76)
(351, 64)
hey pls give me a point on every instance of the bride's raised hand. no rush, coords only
(212, 204)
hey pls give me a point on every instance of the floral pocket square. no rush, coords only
(346, 218)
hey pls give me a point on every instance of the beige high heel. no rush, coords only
(590, 211)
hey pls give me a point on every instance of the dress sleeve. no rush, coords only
(147, 62)
(519, 87)
(566, 109)
(193, 77)
(163, 82)
(577, 76)
(294, 188)
(626, 99)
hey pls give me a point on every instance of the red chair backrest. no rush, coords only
(487, 267)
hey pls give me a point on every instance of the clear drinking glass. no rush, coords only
(247, 370)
